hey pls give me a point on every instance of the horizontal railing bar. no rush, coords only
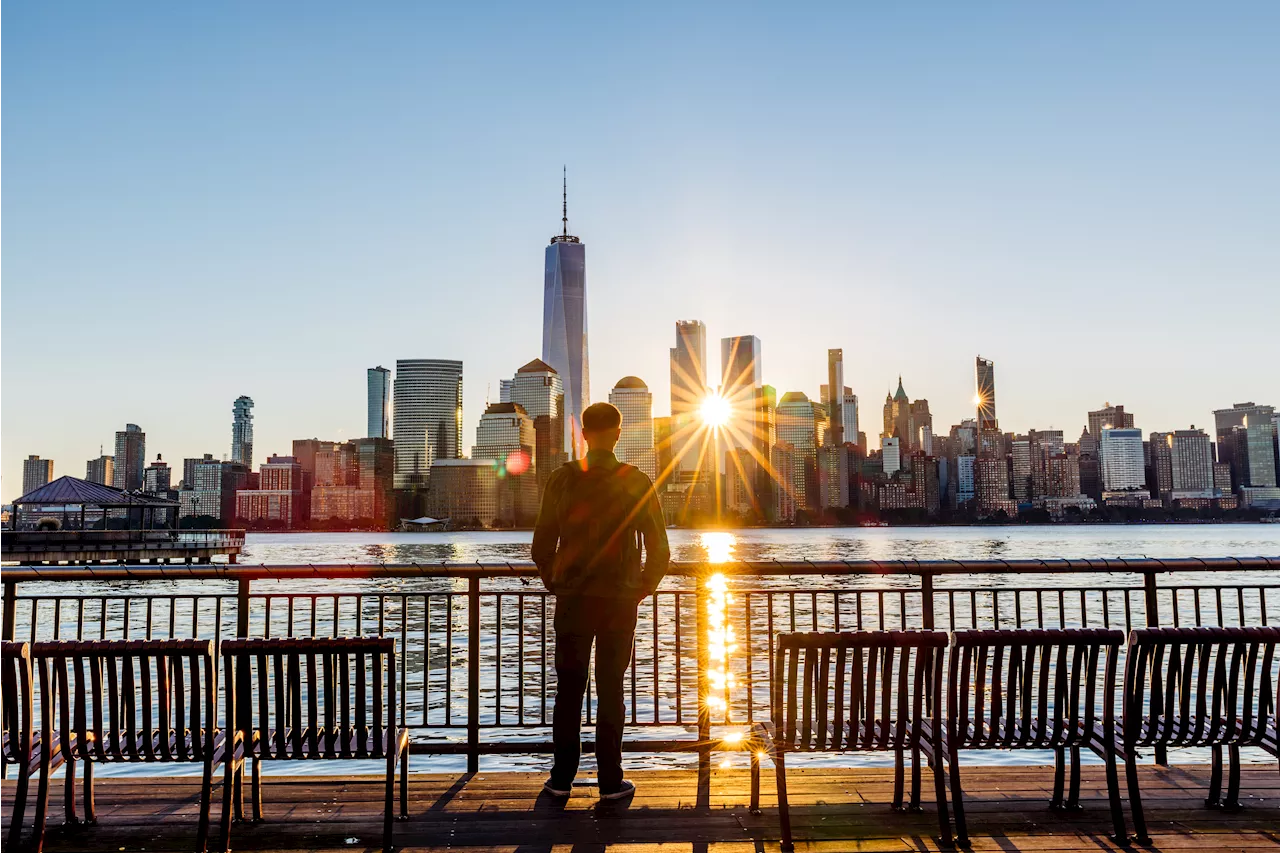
(19, 574)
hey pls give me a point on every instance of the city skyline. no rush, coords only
(1060, 212)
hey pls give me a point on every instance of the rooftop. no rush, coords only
(537, 366)
(73, 490)
(631, 382)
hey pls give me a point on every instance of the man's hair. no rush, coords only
(601, 416)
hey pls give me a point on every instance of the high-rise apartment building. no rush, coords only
(1109, 417)
(835, 398)
(379, 402)
(538, 389)
(890, 454)
(279, 499)
(130, 458)
(101, 470)
(564, 327)
(632, 398)
(834, 463)
(427, 423)
(985, 381)
(242, 431)
(1063, 476)
(211, 498)
(36, 472)
(353, 483)
(1159, 449)
(1120, 452)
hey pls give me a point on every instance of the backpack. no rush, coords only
(598, 514)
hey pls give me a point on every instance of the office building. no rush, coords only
(242, 431)
(848, 412)
(663, 450)
(890, 455)
(1190, 461)
(379, 402)
(538, 389)
(1120, 453)
(564, 327)
(740, 478)
(991, 485)
(784, 459)
(834, 463)
(464, 492)
(1109, 417)
(506, 436)
(101, 470)
(741, 370)
(427, 420)
(632, 398)
(797, 426)
(279, 500)
(985, 382)
(688, 367)
(504, 390)
(157, 479)
(1251, 452)
(36, 472)
(130, 458)
(966, 489)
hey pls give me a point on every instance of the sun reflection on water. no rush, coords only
(719, 545)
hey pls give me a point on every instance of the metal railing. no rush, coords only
(477, 641)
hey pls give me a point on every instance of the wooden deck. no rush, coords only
(834, 810)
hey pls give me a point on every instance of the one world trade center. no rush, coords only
(564, 327)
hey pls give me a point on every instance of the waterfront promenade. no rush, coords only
(835, 811)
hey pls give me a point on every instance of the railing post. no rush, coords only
(926, 601)
(704, 687)
(10, 609)
(243, 686)
(473, 675)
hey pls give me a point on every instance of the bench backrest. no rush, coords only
(1031, 688)
(1199, 686)
(316, 698)
(857, 690)
(18, 700)
(129, 700)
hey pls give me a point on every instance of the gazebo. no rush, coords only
(69, 503)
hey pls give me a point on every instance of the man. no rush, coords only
(596, 514)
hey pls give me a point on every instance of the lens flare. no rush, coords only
(715, 410)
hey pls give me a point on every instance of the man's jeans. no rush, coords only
(611, 623)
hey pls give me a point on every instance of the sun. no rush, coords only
(715, 411)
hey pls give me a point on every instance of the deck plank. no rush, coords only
(832, 810)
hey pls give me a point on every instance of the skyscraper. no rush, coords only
(632, 398)
(985, 373)
(242, 431)
(379, 380)
(835, 397)
(537, 387)
(688, 367)
(36, 472)
(427, 423)
(564, 326)
(797, 427)
(157, 478)
(1239, 415)
(130, 459)
(505, 435)
(1191, 461)
(1120, 451)
(740, 381)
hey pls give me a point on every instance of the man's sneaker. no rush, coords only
(625, 790)
(554, 791)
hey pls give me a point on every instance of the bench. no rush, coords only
(863, 691)
(126, 701)
(1198, 687)
(311, 699)
(1034, 689)
(21, 746)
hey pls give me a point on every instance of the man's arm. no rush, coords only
(657, 553)
(546, 532)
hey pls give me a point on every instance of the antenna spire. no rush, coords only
(564, 215)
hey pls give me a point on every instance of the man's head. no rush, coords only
(601, 426)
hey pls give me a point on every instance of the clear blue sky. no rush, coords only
(208, 200)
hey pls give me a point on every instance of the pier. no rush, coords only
(463, 656)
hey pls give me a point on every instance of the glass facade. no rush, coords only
(379, 400)
(564, 329)
(242, 431)
(1123, 467)
(632, 398)
(427, 423)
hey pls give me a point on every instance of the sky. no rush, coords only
(207, 200)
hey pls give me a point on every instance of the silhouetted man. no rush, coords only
(596, 515)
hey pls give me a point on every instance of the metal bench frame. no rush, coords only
(156, 703)
(1045, 692)
(885, 705)
(331, 719)
(1197, 687)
